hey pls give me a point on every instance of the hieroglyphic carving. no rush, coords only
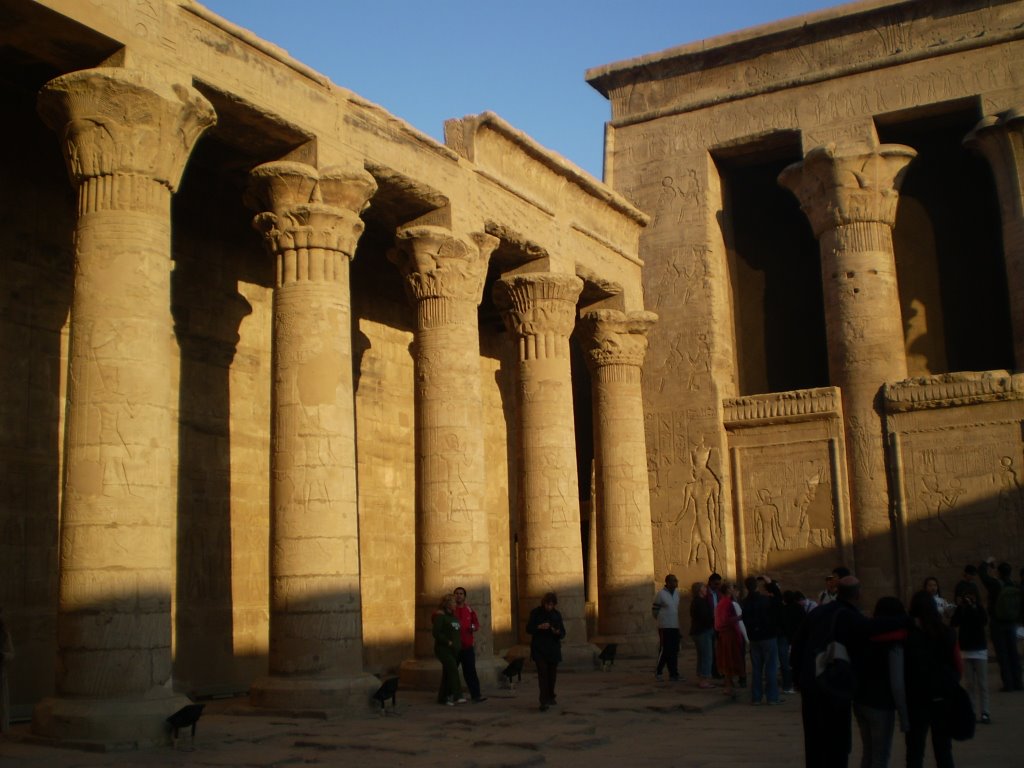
(789, 502)
(958, 440)
(895, 36)
(964, 492)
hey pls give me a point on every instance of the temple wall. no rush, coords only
(958, 444)
(682, 122)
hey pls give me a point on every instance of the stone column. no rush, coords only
(126, 137)
(615, 344)
(310, 222)
(539, 309)
(1001, 140)
(851, 200)
(444, 278)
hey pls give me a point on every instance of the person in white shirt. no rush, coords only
(931, 586)
(666, 610)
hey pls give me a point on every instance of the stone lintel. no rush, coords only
(782, 407)
(951, 390)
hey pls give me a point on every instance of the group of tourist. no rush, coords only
(897, 666)
(901, 665)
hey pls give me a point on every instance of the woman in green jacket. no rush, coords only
(446, 647)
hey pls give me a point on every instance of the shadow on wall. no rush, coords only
(36, 273)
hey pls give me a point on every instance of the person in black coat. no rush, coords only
(546, 631)
(932, 674)
(826, 716)
(881, 693)
(702, 630)
(969, 620)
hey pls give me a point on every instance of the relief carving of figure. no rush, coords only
(768, 535)
(938, 498)
(1011, 497)
(556, 482)
(703, 492)
(456, 459)
(700, 361)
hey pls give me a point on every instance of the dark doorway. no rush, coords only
(774, 271)
(948, 244)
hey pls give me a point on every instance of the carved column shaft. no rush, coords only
(540, 310)
(851, 203)
(444, 278)
(311, 225)
(616, 343)
(126, 138)
(1001, 140)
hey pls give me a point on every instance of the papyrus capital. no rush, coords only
(1000, 139)
(538, 303)
(439, 265)
(124, 122)
(837, 189)
(612, 337)
(306, 214)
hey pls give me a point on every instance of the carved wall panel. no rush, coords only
(958, 448)
(790, 497)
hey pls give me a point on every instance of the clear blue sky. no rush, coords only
(523, 59)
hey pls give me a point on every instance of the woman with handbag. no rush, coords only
(933, 669)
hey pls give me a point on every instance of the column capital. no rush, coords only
(836, 189)
(437, 264)
(309, 217)
(538, 303)
(612, 337)
(1000, 139)
(123, 122)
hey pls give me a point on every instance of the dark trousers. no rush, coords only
(782, 642)
(450, 685)
(1004, 640)
(826, 729)
(467, 660)
(669, 652)
(547, 672)
(934, 715)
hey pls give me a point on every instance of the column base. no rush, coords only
(314, 696)
(106, 725)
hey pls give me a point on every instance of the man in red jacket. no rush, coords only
(469, 623)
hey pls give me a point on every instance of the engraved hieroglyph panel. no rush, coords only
(963, 496)
(788, 511)
(685, 475)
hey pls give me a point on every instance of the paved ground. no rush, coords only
(621, 718)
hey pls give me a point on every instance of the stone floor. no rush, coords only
(618, 718)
